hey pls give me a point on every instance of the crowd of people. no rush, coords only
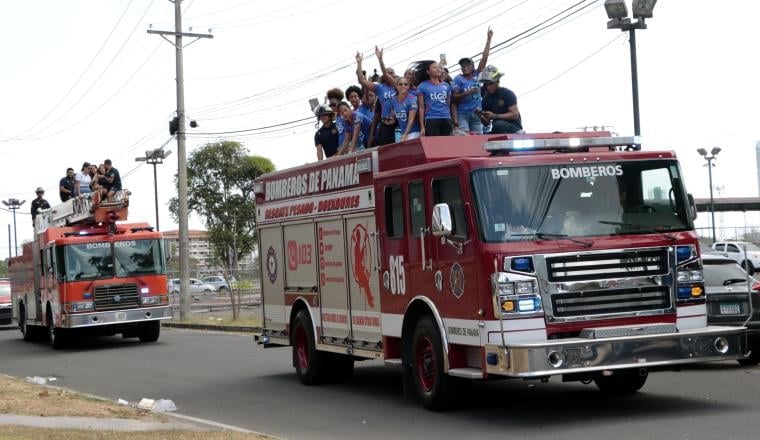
(425, 101)
(103, 180)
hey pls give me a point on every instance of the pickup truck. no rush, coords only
(735, 251)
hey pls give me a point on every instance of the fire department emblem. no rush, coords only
(271, 265)
(386, 280)
(438, 281)
(457, 280)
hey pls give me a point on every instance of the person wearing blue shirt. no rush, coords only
(405, 109)
(467, 91)
(436, 108)
(385, 94)
(356, 129)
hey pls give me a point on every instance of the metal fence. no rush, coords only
(729, 233)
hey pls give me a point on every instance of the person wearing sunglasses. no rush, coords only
(499, 104)
(467, 91)
(405, 109)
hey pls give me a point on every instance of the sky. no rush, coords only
(82, 80)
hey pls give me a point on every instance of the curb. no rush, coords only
(219, 328)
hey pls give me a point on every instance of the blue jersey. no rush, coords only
(385, 95)
(468, 103)
(339, 122)
(367, 110)
(402, 109)
(364, 125)
(437, 99)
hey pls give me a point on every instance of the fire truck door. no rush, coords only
(39, 285)
(363, 280)
(272, 282)
(331, 252)
(48, 274)
(454, 261)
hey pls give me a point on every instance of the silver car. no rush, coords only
(728, 299)
(196, 286)
(219, 283)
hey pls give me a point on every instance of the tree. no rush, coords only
(220, 179)
(4, 268)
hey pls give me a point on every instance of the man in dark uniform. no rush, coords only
(499, 104)
(39, 203)
(326, 138)
(67, 185)
(113, 179)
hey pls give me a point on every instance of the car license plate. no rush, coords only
(730, 309)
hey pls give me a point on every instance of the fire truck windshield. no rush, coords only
(599, 199)
(105, 260)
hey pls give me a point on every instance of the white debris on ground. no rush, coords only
(160, 405)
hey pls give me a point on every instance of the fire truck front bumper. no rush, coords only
(112, 317)
(594, 354)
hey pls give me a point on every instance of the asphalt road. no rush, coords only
(229, 379)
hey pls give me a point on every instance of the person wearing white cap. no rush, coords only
(39, 203)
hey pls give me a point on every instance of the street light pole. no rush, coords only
(617, 12)
(13, 205)
(155, 157)
(714, 152)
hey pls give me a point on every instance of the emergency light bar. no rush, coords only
(572, 143)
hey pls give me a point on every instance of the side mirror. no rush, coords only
(692, 206)
(441, 220)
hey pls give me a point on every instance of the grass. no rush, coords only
(20, 398)
(249, 317)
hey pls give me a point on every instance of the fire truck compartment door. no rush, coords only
(363, 280)
(272, 281)
(331, 251)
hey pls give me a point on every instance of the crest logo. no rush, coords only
(271, 265)
(457, 280)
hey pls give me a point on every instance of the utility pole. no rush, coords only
(13, 205)
(184, 241)
(155, 157)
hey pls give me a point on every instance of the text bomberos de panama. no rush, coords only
(313, 182)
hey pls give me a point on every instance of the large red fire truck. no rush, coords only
(84, 273)
(475, 257)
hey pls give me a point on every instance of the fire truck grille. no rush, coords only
(607, 265)
(603, 302)
(116, 296)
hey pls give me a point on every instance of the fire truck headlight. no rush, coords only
(524, 287)
(144, 290)
(82, 306)
(154, 300)
(695, 275)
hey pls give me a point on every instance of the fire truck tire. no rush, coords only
(311, 364)
(434, 388)
(622, 382)
(56, 336)
(29, 332)
(149, 331)
(753, 359)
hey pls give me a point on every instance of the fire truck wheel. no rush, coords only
(433, 387)
(149, 331)
(28, 331)
(311, 365)
(622, 382)
(753, 359)
(56, 336)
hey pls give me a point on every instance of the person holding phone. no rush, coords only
(467, 92)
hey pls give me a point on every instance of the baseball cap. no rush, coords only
(39, 190)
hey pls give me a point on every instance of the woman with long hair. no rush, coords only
(434, 100)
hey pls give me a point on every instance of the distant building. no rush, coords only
(200, 251)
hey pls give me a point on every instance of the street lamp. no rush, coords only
(154, 157)
(617, 12)
(13, 205)
(714, 152)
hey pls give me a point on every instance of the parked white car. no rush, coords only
(220, 285)
(735, 251)
(196, 286)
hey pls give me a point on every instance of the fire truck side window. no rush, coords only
(416, 207)
(446, 190)
(394, 212)
(59, 263)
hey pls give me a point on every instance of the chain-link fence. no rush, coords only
(729, 233)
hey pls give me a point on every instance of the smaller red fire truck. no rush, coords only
(86, 274)
(477, 257)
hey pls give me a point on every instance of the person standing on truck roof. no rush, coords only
(113, 179)
(386, 123)
(326, 138)
(356, 128)
(39, 203)
(499, 104)
(334, 97)
(436, 109)
(405, 109)
(66, 185)
(467, 91)
(82, 180)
